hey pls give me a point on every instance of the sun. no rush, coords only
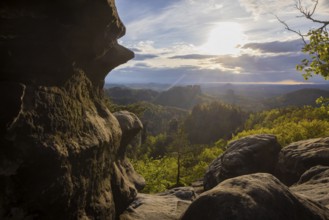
(225, 38)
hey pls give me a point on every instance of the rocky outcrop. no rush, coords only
(61, 154)
(255, 196)
(314, 184)
(42, 40)
(247, 155)
(300, 156)
(165, 206)
(126, 182)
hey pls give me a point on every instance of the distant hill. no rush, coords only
(297, 98)
(185, 97)
(156, 118)
(126, 96)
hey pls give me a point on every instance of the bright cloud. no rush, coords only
(238, 40)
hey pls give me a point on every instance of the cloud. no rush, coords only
(193, 56)
(144, 56)
(261, 64)
(181, 21)
(261, 7)
(276, 46)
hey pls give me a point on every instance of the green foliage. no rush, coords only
(318, 50)
(161, 173)
(158, 173)
(209, 122)
(289, 124)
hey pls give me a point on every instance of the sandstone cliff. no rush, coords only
(60, 151)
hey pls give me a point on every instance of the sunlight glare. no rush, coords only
(225, 38)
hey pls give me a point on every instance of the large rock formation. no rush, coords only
(247, 155)
(260, 195)
(41, 40)
(257, 197)
(314, 184)
(60, 153)
(300, 156)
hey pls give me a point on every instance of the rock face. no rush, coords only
(166, 206)
(42, 40)
(255, 196)
(126, 182)
(314, 184)
(247, 155)
(300, 156)
(60, 147)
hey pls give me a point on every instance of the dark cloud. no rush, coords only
(144, 56)
(193, 56)
(255, 64)
(276, 46)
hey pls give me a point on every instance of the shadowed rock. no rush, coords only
(256, 196)
(59, 143)
(130, 126)
(41, 41)
(252, 154)
(155, 207)
(314, 184)
(126, 181)
(300, 156)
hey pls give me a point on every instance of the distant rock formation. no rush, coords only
(62, 152)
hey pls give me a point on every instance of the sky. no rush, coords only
(213, 41)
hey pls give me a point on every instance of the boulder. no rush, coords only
(130, 126)
(155, 207)
(314, 184)
(184, 193)
(126, 181)
(300, 156)
(60, 146)
(252, 154)
(254, 196)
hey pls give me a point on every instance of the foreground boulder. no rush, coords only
(60, 146)
(256, 196)
(300, 156)
(314, 184)
(165, 206)
(252, 154)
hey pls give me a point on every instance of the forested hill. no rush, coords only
(185, 97)
(296, 98)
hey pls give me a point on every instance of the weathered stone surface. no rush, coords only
(59, 143)
(300, 156)
(126, 181)
(314, 184)
(41, 41)
(130, 126)
(155, 207)
(255, 196)
(56, 156)
(184, 193)
(252, 154)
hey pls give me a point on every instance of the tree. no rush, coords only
(316, 42)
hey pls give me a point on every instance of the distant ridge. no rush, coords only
(300, 97)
